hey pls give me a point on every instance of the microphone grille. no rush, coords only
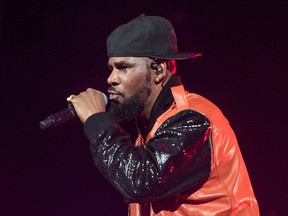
(105, 98)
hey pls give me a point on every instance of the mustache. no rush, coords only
(114, 90)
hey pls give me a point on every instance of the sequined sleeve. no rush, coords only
(176, 158)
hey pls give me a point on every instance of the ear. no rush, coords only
(160, 72)
(157, 67)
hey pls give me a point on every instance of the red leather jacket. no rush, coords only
(188, 164)
(228, 190)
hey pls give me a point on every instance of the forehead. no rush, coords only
(128, 60)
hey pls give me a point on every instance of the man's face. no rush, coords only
(130, 86)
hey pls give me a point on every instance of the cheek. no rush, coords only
(133, 84)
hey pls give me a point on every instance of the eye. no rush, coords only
(122, 68)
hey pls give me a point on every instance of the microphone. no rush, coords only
(62, 116)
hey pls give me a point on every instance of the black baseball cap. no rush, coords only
(146, 36)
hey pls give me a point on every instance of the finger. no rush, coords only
(90, 89)
(70, 98)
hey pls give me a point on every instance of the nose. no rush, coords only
(113, 79)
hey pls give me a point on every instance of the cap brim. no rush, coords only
(177, 56)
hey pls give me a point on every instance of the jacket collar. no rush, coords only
(162, 103)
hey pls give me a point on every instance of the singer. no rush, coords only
(166, 150)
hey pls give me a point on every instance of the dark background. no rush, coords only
(51, 49)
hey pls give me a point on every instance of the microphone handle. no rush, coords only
(62, 116)
(58, 118)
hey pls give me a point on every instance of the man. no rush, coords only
(185, 160)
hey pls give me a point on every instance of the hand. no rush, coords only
(87, 103)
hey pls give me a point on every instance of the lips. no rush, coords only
(113, 95)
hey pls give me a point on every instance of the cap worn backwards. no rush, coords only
(146, 36)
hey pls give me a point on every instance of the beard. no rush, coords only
(132, 106)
